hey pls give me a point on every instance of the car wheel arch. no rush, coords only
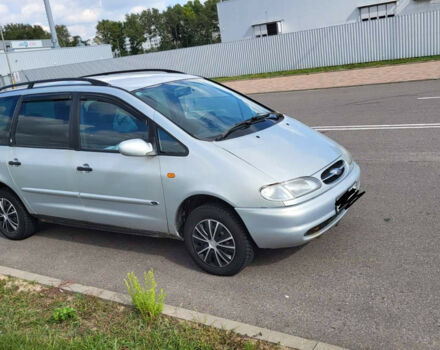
(3, 185)
(194, 201)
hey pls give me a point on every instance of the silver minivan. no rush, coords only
(168, 154)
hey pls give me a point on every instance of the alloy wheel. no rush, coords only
(213, 243)
(8, 216)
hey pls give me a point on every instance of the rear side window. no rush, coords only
(43, 124)
(7, 107)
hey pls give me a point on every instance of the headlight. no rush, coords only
(290, 189)
(347, 155)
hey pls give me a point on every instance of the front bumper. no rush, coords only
(290, 226)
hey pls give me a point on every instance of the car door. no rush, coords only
(41, 159)
(117, 190)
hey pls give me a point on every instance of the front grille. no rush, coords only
(333, 173)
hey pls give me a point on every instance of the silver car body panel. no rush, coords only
(287, 227)
(284, 151)
(136, 192)
(121, 190)
(135, 81)
(46, 181)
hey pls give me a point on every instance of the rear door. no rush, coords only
(7, 108)
(117, 190)
(40, 158)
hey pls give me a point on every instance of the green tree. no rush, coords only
(171, 28)
(192, 24)
(64, 38)
(209, 21)
(111, 32)
(20, 31)
(77, 41)
(150, 21)
(135, 32)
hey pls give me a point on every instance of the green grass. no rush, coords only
(27, 322)
(146, 299)
(329, 69)
(61, 314)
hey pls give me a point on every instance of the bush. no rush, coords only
(61, 314)
(145, 298)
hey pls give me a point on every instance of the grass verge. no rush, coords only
(329, 69)
(28, 320)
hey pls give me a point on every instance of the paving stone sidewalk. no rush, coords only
(363, 76)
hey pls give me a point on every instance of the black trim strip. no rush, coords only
(7, 140)
(31, 84)
(74, 123)
(14, 121)
(134, 71)
(102, 227)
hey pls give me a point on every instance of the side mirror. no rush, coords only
(136, 148)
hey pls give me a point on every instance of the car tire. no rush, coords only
(217, 240)
(15, 221)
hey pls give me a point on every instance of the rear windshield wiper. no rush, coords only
(248, 122)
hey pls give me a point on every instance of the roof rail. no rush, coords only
(136, 70)
(30, 84)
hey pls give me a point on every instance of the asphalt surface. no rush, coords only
(372, 282)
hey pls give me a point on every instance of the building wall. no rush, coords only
(27, 45)
(405, 7)
(54, 57)
(237, 17)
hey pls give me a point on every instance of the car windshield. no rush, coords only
(202, 108)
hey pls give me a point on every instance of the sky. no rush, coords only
(80, 16)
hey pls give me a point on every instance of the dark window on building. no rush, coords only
(104, 125)
(384, 10)
(7, 107)
(267, 29)
(272, 29)
(43, 124)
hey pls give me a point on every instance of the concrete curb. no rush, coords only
(244, 329)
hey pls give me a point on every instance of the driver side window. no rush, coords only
(104, 125)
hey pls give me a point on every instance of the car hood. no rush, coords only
(284, 151)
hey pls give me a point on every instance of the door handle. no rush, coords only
(15, 162)
(84, 167)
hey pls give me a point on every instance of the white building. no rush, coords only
(246, 19)
(152, 42)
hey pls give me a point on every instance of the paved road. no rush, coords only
(373, 282)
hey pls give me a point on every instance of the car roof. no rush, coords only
(129, 80)
(137, 80)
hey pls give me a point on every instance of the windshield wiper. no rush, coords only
(248, 122)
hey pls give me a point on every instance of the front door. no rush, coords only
(117, 190)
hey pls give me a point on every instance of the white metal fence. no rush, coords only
(391, 38)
